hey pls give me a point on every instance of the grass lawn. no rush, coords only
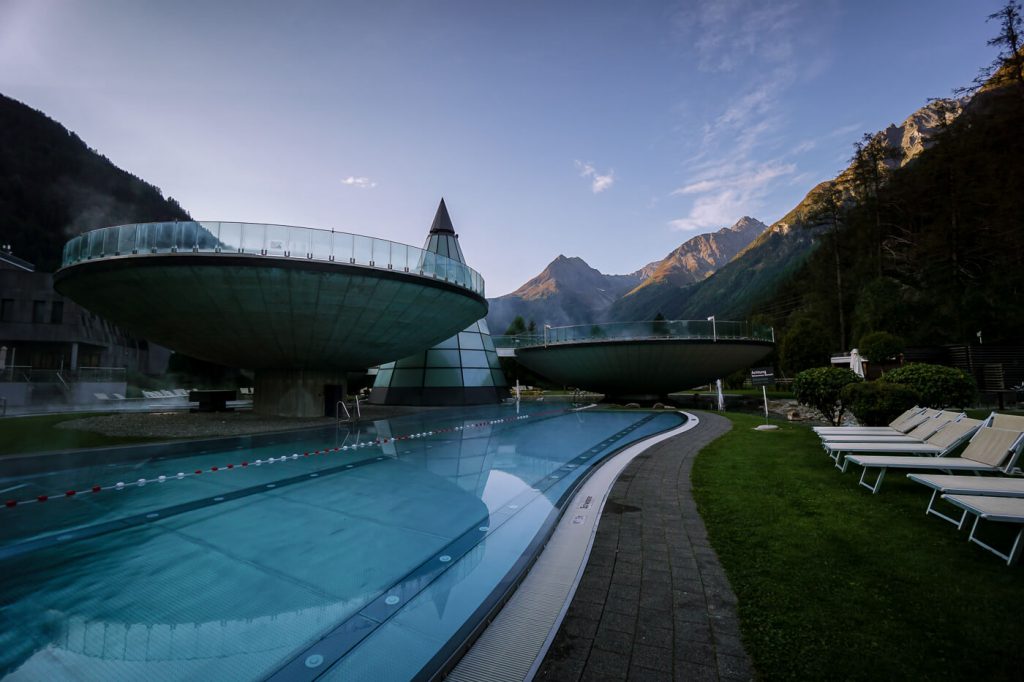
(20, 435)
(836, 583)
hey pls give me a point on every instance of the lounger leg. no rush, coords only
(1015, 550)
(878, 481)
(931, 510)
(1014, 554)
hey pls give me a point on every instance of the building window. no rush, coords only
(7, 310)
(57, 312)
(39, 311)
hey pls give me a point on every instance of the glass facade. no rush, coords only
(462, 370)
(440, 259)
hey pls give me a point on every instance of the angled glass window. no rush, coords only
(474, 358)
(449, 377)
(453, 342)
(477, 377)
(470, 341)
(407, 378)
(410, 362)
(441, 357)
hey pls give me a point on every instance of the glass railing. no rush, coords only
(282, 241)
(720, 330)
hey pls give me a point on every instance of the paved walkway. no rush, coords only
(654, 603)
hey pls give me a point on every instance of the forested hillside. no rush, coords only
(53, 186)
(931, 251)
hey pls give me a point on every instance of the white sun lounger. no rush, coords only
(987, 486)
(1011, 422)
(901, 424)
(918, 434)
(999, 509)
(940, 444)
(990, 451)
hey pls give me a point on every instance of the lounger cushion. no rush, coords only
(997, 486)
(903, 462)
(1009, 509)
(991, 446)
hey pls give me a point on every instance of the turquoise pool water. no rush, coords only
(367, 562)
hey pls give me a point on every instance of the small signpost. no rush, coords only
(763, 376)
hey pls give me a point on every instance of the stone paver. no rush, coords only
(654, 602)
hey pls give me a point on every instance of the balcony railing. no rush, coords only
(706, 330)
(281, 241)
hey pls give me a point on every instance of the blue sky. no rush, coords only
(612, 131)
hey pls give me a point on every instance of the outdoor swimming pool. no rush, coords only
(360, 560)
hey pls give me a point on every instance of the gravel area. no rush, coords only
(210, 424)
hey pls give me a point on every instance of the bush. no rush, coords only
(876, 403)
(877, 347)
(936, 385)
(822, 388)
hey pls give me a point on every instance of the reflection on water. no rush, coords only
(387, 548)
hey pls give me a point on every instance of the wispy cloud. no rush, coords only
(598, 182)
(359, 181)
(805, 146)
(727, 33)
(742, 154)
(727, 193)
(846, 130)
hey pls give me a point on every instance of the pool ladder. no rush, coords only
(340, 405)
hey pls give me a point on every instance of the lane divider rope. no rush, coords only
(245, 464)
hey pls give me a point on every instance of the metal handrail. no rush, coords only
(260, 239)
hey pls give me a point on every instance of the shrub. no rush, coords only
(876, 403)
(821, 388)
(936, 385)
(880, 346)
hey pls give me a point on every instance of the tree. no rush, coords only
(828, 209)
(805, 345)
(870, 165)
(659, 326)
(822, 389)
(1008, 66)
(877, 347)
(532, 327)
(518, 326)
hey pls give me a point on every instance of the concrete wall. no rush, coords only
(295, 393)
(17, 394)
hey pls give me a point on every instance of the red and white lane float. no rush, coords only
(181, 475)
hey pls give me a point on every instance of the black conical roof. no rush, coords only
(442, 223)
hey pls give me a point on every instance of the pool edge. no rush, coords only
(496, 643)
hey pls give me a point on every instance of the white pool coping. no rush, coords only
(514, 644)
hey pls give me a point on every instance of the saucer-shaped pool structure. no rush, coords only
(292, 302)
(641, 360)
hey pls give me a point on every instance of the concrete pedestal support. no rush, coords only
(298, 392)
